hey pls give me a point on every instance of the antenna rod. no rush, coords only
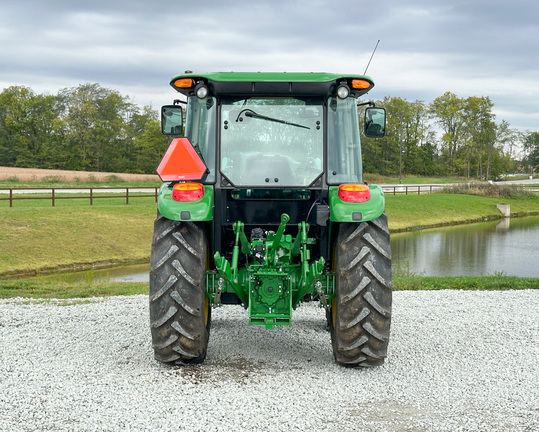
(372, 55)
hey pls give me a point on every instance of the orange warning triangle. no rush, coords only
(181, 162)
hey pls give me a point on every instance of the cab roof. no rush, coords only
(271, 83)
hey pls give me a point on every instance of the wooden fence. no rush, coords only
(412, 189)
(426, 188)
(55, 194)
(91, 194)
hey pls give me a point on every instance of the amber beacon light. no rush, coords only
(183, 83)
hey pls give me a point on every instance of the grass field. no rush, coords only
(74, 234)
(409, 179)
(379, 179)
(28, 177)
(34, 236)
(407, 212)
(62, 290)
(21, 177)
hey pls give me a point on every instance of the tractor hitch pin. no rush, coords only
(318, 286)
(217, 298)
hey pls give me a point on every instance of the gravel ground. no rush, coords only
(458, 361)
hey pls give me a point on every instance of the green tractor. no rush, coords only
(263, 205)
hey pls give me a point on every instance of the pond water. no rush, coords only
(509, 247)
(125, 273)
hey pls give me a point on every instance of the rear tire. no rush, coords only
(180, 314)
(360, 314)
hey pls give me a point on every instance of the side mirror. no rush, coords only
(375, 122)
(172, 120)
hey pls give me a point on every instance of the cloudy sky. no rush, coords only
(427, 47)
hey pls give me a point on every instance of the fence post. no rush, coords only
(91, 196)
(10, 197)
(155, 194)
(127, 195)
(52, 197)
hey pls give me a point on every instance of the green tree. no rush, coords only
(12, 114)
(95, 119)
(447, 112)
(507, 142)
(508, 138)
(26, 126)
(531, 149)
(151, 146)
(408, 146)
(479, 138)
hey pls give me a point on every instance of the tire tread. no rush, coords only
(180, 330)
(360, 332)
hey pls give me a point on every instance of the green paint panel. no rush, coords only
(341, 211)
(276, 277)
(271, 76)
(199, 211)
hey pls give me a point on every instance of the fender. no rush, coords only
(341, 211)
(195, 211)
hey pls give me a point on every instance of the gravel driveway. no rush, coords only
(458, 361)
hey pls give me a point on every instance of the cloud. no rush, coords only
(427, 47)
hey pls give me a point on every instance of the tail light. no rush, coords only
(356, 193)
(187, 192)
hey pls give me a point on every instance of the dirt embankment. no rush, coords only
(47, 175)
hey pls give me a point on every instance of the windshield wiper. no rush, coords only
(251, 113)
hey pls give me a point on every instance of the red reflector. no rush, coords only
(187, 192)
(181, 162)
(356, 193)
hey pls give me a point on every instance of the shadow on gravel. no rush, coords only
(242, 353)
(306, 340)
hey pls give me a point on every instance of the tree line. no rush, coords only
(86, 128)
(91, 128)
(450, 136)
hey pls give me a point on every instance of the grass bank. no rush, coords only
(34, 236)
(38, 237)
(61, 290)
(56, 290)
(33, 177)
(466, 283)
(408, 212)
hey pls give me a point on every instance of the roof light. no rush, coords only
(360, 84)
(202, 91)
(187, 192)
(355, 193)
(343, 91)
(183, 83)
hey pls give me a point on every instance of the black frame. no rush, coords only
(254, 213)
